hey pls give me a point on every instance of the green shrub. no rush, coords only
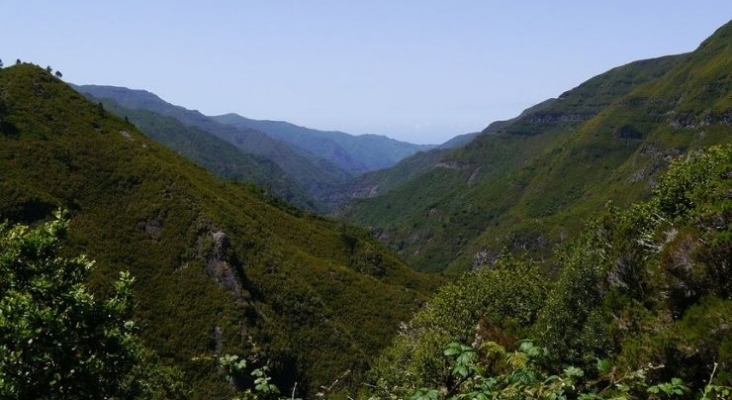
(491, 304)
(56, 339)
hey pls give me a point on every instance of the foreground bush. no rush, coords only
(56, 339)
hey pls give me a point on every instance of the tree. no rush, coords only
(1, 63)
(17, 62)
(59, 75)
(49, 69)
(56, 339)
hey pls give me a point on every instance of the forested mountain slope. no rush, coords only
(641, 308)
(377, 183)
(219, 268)
(216, 155)
(531, 184)
(314, 174)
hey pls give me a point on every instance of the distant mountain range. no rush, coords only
(314, 174)
(215, 154)
(355, 154)
(316, 161)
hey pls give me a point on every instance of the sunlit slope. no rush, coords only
(216, 155)
(218, 268)
(314, 174)
(532, 183)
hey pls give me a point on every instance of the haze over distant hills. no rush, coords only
(356, 154)
(313, 173)
(528, 183)
(316, 160)
(215, 154)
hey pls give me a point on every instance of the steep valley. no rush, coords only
(532, 183)
(579, 250)
(219, 267)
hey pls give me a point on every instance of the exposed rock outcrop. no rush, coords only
(217, 265)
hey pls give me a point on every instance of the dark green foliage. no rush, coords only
(647, 285)
(628, 288)
(661, 294)
(498, 304)
(218, 270)
(493, 373)
(690, 182)
(576, 294)
(214, 154)
(56, 339)
(314, 174)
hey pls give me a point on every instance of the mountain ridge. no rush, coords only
(354, 153)
(529, 184)
(218, 268)
(381, 182)
(215, 154)
(314, 174)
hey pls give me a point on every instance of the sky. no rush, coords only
(415, 70)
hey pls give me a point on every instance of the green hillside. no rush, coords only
(531, 185)
(355, 154)
(314, 174)
(216, 155)
(641, 308)
(219, 267)
(377, 183)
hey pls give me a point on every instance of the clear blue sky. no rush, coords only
(415, 70)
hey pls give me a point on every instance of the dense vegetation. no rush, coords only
(377, 183)
(219, 267)
(643, 297)
(56, 339)
(596, 230)
(216, 155)
(641, 308)
(486, 188)
(531, 183)
(314, 174)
